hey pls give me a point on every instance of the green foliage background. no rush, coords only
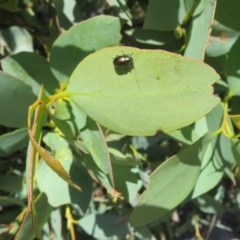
(137, 182)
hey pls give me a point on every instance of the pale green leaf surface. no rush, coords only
(214, 118)
(208, 179)
(53, 163)
(95, 143)
(68, 118)
(72, 121)
(209, 123)
(200, 29)
(211, 171)
(225, 149)
(164, 91)
(130, 184)
(190, 134)
(58, 191)
(169, 185)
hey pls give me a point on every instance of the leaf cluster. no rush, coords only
(91, 150)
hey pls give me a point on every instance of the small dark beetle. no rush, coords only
(123, 60)
(123, 63)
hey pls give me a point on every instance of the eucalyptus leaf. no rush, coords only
(163, 91)
(95, 143)
(199, 34)
(211, 173)
(170, 184)
(57, 189)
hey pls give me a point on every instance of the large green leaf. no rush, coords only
(170, 184)
(209, 123)
(163, 91)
